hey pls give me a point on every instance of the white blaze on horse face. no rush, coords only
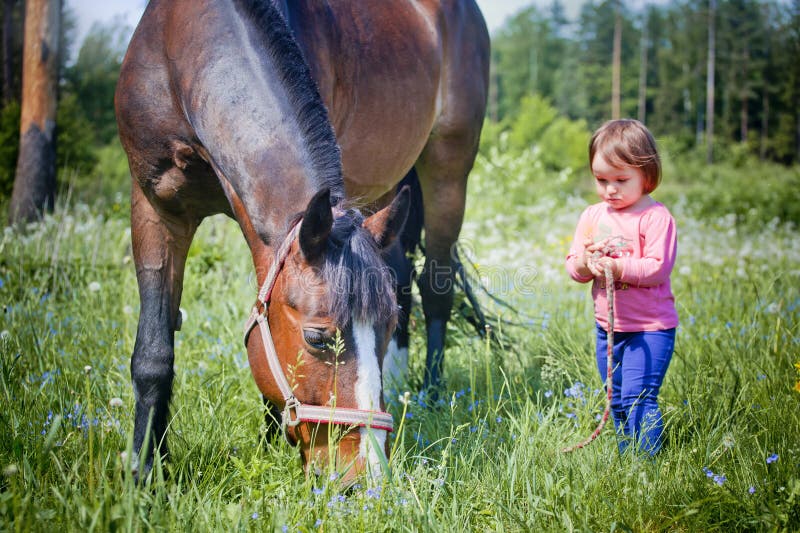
(395, 364)
(368, 391)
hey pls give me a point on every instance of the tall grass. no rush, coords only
(484, 457)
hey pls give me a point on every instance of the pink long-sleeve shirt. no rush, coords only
(644, 241)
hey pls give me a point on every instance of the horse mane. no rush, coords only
(312, 116)
(360, 281)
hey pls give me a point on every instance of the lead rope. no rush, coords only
(609, 362)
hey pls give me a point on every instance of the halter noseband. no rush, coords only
(294, 411)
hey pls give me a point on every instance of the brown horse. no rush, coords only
(230, 106)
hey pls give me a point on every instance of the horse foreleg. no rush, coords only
(160, 246)
(272, 420)
(400, 258)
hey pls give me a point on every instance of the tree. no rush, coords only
(93, 76)
(616, 63)
(712, 51)
(643, 44)
(35, 181)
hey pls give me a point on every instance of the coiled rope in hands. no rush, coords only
(609, 275)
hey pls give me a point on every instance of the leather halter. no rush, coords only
(294, 411)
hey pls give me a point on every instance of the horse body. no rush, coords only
(228, 107)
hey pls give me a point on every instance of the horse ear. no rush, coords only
(316, 225)
(386, 224)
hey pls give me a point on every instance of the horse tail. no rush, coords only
(412, 232)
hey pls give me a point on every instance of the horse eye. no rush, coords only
(316, 339)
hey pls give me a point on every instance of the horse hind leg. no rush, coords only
(443, 168)
(160, 246)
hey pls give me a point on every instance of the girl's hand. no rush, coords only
(598, 266)
(582, 260)
(597, 260)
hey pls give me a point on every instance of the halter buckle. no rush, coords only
(292, 404)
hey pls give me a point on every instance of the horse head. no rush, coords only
(326, 312)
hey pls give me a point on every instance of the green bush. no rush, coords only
(752, 191)
(75, 145)
(108, 179)
(561, 142)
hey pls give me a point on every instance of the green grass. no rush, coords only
(485, 458)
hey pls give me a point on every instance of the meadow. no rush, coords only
(486, 456)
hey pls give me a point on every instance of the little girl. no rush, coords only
(635, 236)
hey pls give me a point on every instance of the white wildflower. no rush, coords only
(404, 398)
(94, 286)
(115, 402)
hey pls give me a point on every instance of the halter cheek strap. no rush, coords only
(294, 411)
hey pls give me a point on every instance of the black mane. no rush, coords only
(312, 116)
(360, 282)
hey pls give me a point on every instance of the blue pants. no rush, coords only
(640, 361)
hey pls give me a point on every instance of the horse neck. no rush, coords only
(255, 112)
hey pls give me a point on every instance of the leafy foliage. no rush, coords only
(569, 64)
(560, 142)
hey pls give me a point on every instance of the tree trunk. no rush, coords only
(8, 29)
(616, 64)
(643, 71)
(35, 180)
(745, 88)
(712, 51)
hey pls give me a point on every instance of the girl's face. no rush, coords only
(619, 187)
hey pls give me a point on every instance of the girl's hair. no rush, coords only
(628, 143)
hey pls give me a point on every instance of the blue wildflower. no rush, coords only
(254, 516)
(772, 458)
(751, 490)
(374, 493)
(548, 393)
(708, 472)
(317, 490)
(318, 522)
(719, 479)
